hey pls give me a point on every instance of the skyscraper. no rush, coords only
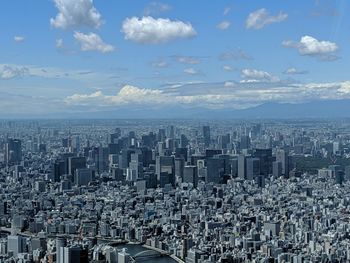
(75, 163)
(215, 170)
(282, 157)
(245, 142)
(165, 169)
(253, 168)
(206, 135)
(265, 156)
(190, 175)
(242, 167)
(13, 151)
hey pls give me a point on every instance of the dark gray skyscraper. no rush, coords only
(245, 142)
(215, 170)
(13, 151)
(75, 163)
(282, 157)
(206, 135)
(265, 156)
(190, 175)
(253, 168)
(165, 170)
(242, 167)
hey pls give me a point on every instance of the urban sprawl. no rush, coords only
(185, 191)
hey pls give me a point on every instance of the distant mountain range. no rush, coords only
(316, 109)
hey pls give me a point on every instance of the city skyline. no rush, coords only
(64, 58)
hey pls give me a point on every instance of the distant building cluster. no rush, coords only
(185, 191)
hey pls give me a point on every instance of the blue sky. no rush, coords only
(64, 56)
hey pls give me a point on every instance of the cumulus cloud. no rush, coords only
(310, 46)
(155, 8)
(76, 13)
(149, 30)
(227, 94)
(227, 68)
(11, 72)
(345, 87)
(128, 94)
(190, 71)
(223, 25)
(253, 75)
(92, 42)
(19, 39)
(294, 71)
(261, 18)
(140, 96)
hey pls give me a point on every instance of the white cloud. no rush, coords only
(229, 84)
(155, 8)
(76, 13)
(92, 42)
(18, 39)
(261, 18)
(310, 46)
(190, 71)
(345, 87)
(227, 68)
(223, 25)
(59, 43)
(11, 72)
(148, 30)
(227, 94)
(188, 60)
(127, 95)
(294, 71)
(160, 64)
(253, 75)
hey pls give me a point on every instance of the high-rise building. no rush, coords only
(276, 169)
(165, 168)
(245, 142)
(13, 151)
(60, 244)
(59, 169)
(183, 141)
(224, 141)
(171, 132)
(242, 167)
(75, 163)
(206, 135)
(73, 254)
(83, 176)
(266, 159)
(179, 167)
(16, 244)
(283, 158)
(253, 168)
(101, 159)
(215, 170)
(190, 175)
